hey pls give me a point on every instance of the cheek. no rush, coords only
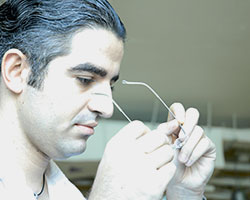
(64, 96)
(65, 100)
(64, 108)
(45, 118)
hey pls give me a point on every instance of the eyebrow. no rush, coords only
(88, 67)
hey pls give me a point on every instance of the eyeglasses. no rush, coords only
(178, 143)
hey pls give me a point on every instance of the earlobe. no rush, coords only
(14, 70)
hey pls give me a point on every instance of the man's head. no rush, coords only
(42, 29)
(70, 52)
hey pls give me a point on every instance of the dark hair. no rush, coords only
(42, 29)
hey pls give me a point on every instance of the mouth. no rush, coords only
(88, 128)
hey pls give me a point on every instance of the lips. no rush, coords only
(88, 128)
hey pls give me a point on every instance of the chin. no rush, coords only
(71, 150)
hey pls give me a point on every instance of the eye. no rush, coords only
(85, 81)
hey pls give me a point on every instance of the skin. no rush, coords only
(67, 108)
(141, 164)
(194, 161)
(55, 122)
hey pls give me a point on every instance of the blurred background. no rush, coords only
(191, 51)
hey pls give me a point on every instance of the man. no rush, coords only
(59, 60)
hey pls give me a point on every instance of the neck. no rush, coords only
(18, 148)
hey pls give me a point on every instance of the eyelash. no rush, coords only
(85, 81)
(88, 81)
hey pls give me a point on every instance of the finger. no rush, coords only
(152, 141)
(202, 150)
(160, 157)
(179, 111)
(190, 144)
(169, 127)
(191, 120)
(204, 156)
(132, 131)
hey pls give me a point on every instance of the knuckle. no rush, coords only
(161, 126)
(206, 142)
(212, 145)
(199, 130)
(138, 124)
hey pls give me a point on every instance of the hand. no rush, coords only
(136, 164)
(194, 161)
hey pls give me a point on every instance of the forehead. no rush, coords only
(99, 46)
(96, 47)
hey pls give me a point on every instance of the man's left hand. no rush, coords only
(194, 161)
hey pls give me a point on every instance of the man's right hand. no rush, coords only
(136, 164)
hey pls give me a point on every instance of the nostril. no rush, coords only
(101, 104)
(97, 113)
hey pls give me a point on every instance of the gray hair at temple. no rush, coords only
(42, 29)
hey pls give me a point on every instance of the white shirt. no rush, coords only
(13, 185)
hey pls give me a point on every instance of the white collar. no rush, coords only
(13, 184)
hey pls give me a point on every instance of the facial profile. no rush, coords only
(58, 119)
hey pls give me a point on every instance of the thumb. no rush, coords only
(180, 167)
(166, 173)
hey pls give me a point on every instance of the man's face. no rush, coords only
(58, 119)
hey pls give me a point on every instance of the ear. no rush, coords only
(14, 70)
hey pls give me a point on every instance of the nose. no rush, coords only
(102, 104)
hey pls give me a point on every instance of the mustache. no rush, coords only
(85, 117)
